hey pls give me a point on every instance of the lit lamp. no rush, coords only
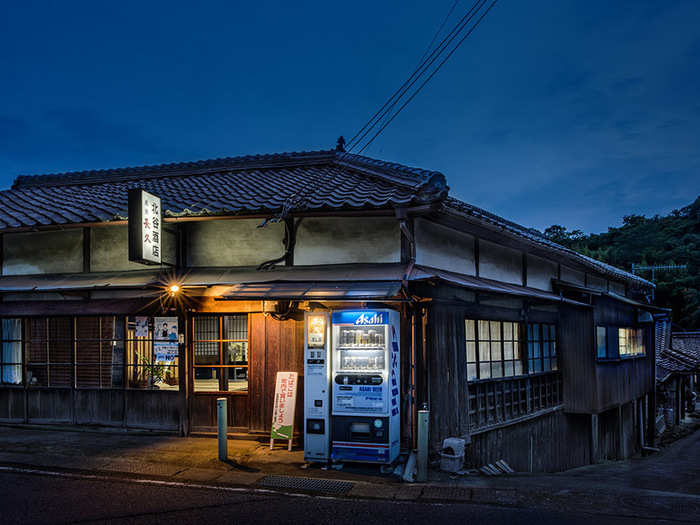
(174, 289)
(316, 331)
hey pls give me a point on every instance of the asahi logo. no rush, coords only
(365, 319)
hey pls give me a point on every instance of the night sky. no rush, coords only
(568, 112)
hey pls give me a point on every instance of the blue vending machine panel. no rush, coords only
(365, 385)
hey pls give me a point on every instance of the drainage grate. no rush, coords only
(328, 486)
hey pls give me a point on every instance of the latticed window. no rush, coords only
(11, 357)
(631, 342)
(99, 352)
(143, 369)
(220, 353)
(493, 349)
(541, 348)
(49, 343)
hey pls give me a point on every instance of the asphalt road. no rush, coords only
(33, 498)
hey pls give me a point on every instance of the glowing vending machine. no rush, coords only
(366, 386)
(316, 386)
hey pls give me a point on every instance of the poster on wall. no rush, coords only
(165, 339)
(141, 328)
(283, 411)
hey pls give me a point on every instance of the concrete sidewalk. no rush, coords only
(662, 486)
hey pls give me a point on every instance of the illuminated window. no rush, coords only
(220, 353)
(493, 349)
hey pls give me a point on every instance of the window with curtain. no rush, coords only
(143, 370)
(493, 349)
(631, 342)
(49, 351)
(220, 361)
(11, 358)
(541, 348)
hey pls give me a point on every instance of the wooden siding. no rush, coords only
(449, 412)
(12, 405)
(548, 443)
(576, 347)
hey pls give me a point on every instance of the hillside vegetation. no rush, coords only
(671, 239)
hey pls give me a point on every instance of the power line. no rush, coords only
(419, 71)
(413, 95)
(447, 17)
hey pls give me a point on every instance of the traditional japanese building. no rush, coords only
(534, 353)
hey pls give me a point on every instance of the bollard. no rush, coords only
(221, 416)
(422, 460)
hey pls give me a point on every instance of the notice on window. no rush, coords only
(141, 329)
(165, 339)
(285, 403)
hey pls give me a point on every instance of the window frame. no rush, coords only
(477, 363)
(551, 354)
(612, 341)
(3, 363)
(219, 365)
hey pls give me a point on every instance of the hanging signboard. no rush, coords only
(283, 411)
(165, 339)
(145, 227)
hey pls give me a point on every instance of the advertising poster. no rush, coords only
(141, 329)
(285, 402)
(165, 339)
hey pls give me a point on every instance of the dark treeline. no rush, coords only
(671, 239)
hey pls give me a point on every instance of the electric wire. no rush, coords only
(419, 71)
(418, 90)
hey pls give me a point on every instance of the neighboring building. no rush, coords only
(536, 354)
(677, 369)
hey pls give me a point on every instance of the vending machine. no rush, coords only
(317, 339)
(365, 385)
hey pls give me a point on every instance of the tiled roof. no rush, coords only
(274, 184)
(228, 186)
(462, 208)
(687, 345)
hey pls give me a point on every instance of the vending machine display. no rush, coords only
(316, 386)
(365, 385)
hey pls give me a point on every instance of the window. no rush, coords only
(601, 338)
(143, 370)
(541, 348)
(49, 343)
(614, 343)
(493, 349)
(11, 358)
(631, 342)
(99, 352)
(220, 353)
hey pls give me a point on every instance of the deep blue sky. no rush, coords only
(569, 112)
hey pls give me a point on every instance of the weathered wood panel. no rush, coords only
(204, 412)
(12, 405)
(449, 415)
(577, 359)
(550, 443)
(99, 407)
(50, 405)
(153, 409)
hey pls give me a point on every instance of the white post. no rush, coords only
(423, 430)
(221, 416)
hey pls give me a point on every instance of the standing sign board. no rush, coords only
(145, 227)
(283, 412)
(165, 339)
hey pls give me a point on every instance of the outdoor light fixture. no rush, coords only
(174, 289)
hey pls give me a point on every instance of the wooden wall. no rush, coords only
(576, 347)
(550, 443)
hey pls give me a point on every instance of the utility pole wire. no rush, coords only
(420, 70)
(429, 77)
(449, 13)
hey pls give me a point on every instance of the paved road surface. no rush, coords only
(30, 498)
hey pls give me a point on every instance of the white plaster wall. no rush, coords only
(43, 252)
(540, 272)
(597, 283)
(235, 242)
(573, 276)
(441, 247)
(109, 249)
(338, 240)
(500, 263)
(617, 287)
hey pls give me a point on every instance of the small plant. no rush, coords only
(155, 372)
